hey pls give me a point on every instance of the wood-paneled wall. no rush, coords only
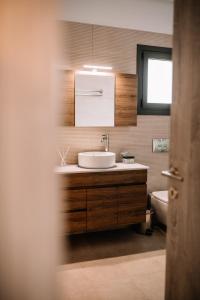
(116, 47)
(104, 45)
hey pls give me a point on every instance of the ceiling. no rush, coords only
(147, 15)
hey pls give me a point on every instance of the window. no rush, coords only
(154, 68)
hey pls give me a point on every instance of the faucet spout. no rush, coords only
(105, 141)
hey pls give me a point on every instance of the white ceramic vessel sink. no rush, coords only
(96, 160)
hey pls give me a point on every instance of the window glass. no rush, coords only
(154, 69)
(159, 81)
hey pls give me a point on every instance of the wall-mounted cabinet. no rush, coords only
(95, 100)
(126, 100)
(66, 112)
(115, 103)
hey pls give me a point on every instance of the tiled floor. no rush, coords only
(113, 265)
(114, 243)
(131, 277)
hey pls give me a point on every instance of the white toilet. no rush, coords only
(159, 202)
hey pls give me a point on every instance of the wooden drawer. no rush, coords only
(73, 200)
(130, 217)
(101, 208)
(132, 203)
(104, 178)
(74, 222)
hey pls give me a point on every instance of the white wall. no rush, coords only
(147, 15)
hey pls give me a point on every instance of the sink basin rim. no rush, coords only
(96, 159)
(96, 153)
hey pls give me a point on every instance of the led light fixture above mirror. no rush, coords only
(95, 70)
(97, 67)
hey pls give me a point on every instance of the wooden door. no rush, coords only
(183, 241)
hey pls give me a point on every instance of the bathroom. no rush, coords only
(100, 150)
(111, 149)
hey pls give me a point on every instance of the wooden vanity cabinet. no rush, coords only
(103, 200)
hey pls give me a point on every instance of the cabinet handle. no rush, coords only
(89, 92)
(76, 210)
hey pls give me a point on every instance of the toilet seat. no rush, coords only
(159, 202)
(161, 195)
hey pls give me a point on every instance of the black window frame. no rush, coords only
(143, 53)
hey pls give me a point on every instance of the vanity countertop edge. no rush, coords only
(74, 168)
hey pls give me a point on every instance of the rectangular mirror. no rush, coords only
(94, 99)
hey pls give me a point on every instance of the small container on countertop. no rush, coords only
(127, 158)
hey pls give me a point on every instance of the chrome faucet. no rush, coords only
(105, 141)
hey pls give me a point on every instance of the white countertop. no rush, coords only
(71, 169)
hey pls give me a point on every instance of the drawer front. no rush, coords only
(104, 178)
(101, 208)
(73, 200)
(132, 203)
(130, 217)
(74, 222)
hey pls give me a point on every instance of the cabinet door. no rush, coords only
(66, 113)
(126, 100)
(132, 203)
(101, 208)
